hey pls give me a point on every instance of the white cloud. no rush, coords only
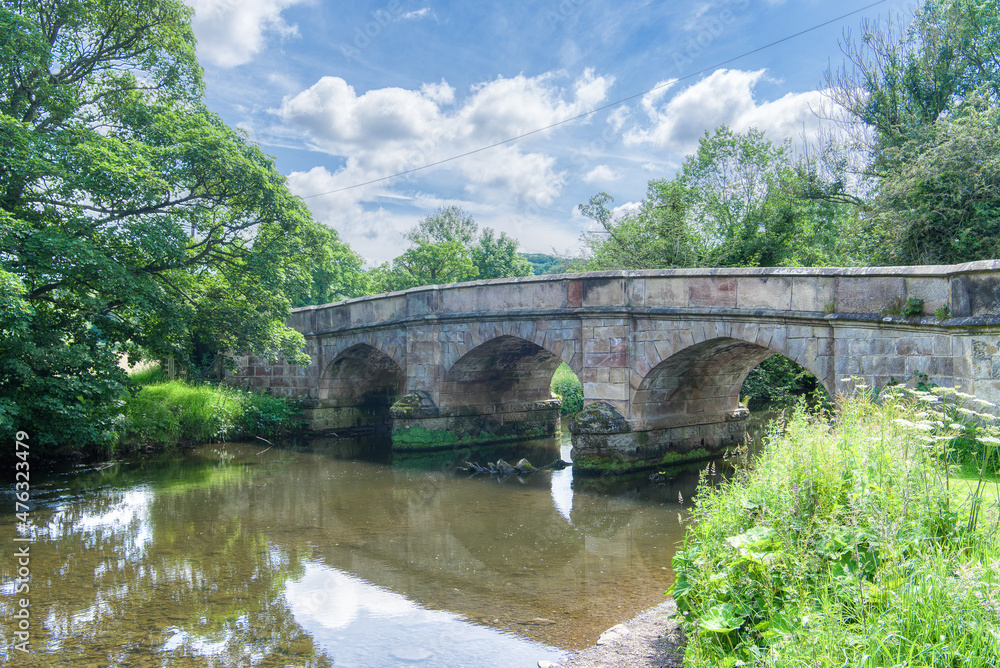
(724, 97)
(389, 130)
(417, 14)
(230, 33)
(601, 174)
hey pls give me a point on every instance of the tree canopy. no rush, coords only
(133, 221)
(739, 201)
(447, 247)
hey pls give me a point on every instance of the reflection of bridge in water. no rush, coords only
(662, 355)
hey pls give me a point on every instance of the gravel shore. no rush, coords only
(651, 640)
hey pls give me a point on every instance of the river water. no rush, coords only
(339, 555)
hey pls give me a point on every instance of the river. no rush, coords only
(243, 554)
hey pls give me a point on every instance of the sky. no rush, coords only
(346, 93)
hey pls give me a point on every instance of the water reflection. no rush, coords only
(236, 555)
(336, 608)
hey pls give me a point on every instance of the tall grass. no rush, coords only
(843, 546)
(567, 386)
(166, 414)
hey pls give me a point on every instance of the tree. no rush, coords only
(941, 205)
(655, 235)
(447, 247)
(740, 200)
(133, 219)
(427, 264)
(920, 100)
(335, 271)
(448, 223)
(497, 256)
(898, 80)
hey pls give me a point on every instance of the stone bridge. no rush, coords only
(662, 355)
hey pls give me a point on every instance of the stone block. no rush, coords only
(869, 294)
(933, 290)
(712, 292)
(606, 391)
(764, 292)
(666, 292)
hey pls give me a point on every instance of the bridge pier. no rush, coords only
(605, 442)
(417, 424)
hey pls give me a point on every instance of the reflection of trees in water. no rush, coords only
(128, 574)
(196, 561)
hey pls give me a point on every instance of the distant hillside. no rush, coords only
(550, 264)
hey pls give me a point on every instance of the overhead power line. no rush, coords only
(603, 107)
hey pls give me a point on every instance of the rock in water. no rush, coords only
(524, 466)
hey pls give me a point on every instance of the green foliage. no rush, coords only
(164, 415)
(569, 389)
(913, 306)
(922, 107)
(840, 547)
(448, 248)
(149, 376)
(134, 221)
(335, 271)
(778, 381)
(739, 201)
(497, 257)
(542, 263)
(940, 203)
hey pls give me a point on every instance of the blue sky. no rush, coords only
(347, 92)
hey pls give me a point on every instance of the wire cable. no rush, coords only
(603, 107)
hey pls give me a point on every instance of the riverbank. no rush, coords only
(652, 639)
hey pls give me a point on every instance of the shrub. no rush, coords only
(567, 386)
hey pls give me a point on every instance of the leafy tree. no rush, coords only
(497, 256)
(941, 205)
(426, 264)
(654, 236)
(448, 248)
(335, 271)
(448, 223)
(133, 220)
(920, 102)
(740, 200)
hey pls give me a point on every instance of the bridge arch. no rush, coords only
(505, 370)
(362, 377)
(701, 381)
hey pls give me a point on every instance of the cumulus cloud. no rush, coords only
(601, 174)
(725, 97)
(230, 33)
(389, 130)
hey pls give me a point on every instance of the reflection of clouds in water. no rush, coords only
(360, 624)
(333, 599)
(562, 485)
(127, 519)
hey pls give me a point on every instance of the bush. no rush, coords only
(842, 546)
(164, 415)
(567, 386)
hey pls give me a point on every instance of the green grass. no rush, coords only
(857, 545)
(567, 386)
(166, 414)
